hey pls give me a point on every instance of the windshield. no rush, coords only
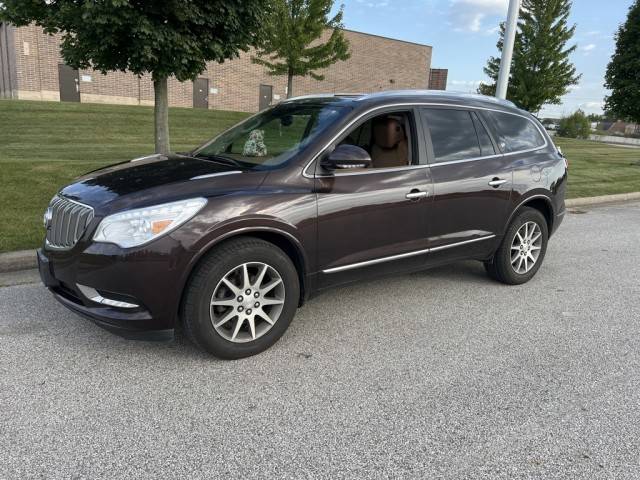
(272, 137)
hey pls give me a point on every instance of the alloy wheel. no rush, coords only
(247, 302)
(526, 247)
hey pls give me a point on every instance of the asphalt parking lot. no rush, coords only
(440, 374)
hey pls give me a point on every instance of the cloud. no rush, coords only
(469, 15)
(466, 82)
(378, 4)
(588, 97)
(465, 85)
(587, 49)
(592, 106)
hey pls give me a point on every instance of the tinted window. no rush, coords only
(516, 133)
(273, 136)
(452, 134)
(483, 137)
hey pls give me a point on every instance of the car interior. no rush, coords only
(386, 138)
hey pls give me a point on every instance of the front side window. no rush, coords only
(386, 137)
(272, 137)
(453, 134)
(515, 133)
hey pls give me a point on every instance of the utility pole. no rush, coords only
(507, 48)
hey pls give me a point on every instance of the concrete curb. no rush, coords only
(20, 260)
(26, 259)
(621, 197)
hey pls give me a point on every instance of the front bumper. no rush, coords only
(151, 278)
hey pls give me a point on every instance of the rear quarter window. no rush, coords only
(515, 133)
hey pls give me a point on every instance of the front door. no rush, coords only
(69, 83)
(472, 184)
(201, 93)
(373, 221)
(266, 96)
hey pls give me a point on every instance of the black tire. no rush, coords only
(196, 317)
(500, 267)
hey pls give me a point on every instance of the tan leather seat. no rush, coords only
(389, 147)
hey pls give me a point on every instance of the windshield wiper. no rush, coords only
(220, 159)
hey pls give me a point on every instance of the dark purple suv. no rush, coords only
(230, 239)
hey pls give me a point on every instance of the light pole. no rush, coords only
(507, 48)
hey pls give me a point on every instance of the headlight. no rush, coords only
(139, 226)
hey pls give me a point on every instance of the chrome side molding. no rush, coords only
(391, 258)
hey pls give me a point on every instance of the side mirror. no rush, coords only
(347, 156)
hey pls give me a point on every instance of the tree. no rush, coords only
(576, 125)
(541, 72)
(293, 44)
(162, 38)
(623, 72)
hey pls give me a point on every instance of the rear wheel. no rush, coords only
(241, 298)
(522, 250)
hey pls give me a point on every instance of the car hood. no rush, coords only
(157, 179)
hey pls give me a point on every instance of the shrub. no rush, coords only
(576, 125)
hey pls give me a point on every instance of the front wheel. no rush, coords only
(241, 298)
(522, 250)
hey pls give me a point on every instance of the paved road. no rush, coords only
(441, 374)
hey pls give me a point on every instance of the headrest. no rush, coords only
(387, 132)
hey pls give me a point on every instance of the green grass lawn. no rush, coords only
(44, 145)
(600, 169)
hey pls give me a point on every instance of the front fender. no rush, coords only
(244, 226)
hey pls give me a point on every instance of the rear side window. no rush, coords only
(453, 134)
(515, 133)
(486, 146)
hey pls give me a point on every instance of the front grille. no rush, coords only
(68, 221)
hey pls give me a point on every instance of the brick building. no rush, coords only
(438, 78)
(31, 68)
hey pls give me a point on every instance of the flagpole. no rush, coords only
(507, 49)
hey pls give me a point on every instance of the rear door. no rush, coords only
(472, 184)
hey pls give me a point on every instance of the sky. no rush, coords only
(463, 34)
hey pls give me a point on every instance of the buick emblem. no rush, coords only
(46, 219)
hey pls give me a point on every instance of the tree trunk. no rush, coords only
(161, 114)
(290, 85)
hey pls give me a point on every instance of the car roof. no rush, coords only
(409, 96)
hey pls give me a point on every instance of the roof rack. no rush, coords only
(443, 93)
(324, 95)
(397, 93)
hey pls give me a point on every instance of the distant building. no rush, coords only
(438, 78)
(31, 68)
(620, 128)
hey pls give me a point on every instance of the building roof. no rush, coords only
(388, 38)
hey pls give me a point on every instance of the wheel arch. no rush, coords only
(280, 238)
(540, 202)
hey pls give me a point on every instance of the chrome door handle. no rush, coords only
(416, 195)
(496, 182)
